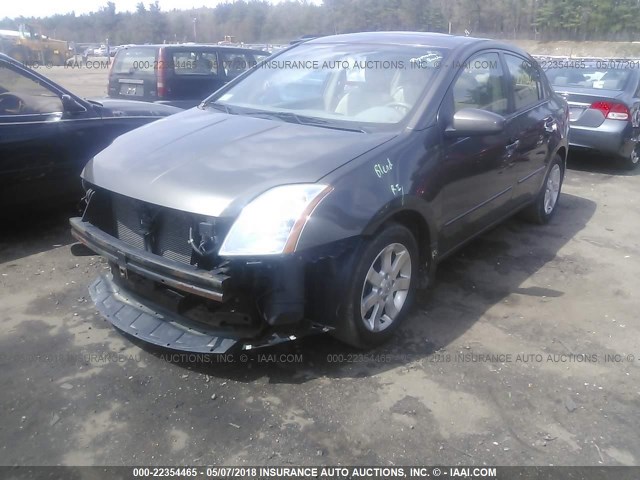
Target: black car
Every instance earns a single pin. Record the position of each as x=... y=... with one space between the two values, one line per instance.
x=604 y=103
x=264 y=214
x=179 y=75
x=47 y=134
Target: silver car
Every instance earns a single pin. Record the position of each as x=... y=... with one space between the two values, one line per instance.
x=604 y=101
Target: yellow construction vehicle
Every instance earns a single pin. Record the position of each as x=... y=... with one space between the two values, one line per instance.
x=29 y=47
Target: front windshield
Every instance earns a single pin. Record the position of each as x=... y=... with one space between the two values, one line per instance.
x=589 y=76
x=358 y=84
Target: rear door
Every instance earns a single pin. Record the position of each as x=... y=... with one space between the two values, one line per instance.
x=133 y=74
x=533 y=123
x=195 y=75
x=236 y=62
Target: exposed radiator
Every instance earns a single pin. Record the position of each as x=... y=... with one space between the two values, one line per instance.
x=169 y=228
x=172 y=237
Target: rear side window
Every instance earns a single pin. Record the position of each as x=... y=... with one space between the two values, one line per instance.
x=600 y=75
x=131 y=60
x=525 y=78
x=480 y=85
x=235 y=63
x=194 y=62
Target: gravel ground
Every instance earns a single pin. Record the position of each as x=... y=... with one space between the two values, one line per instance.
x=525 y=352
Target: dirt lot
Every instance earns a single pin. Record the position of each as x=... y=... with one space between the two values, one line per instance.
x=524 y=353
x=83 y=81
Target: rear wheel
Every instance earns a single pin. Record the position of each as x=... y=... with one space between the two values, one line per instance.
x=633 y=160
x=380 y=290
x=544 y=206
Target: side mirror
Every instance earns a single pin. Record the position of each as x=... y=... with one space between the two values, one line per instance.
x=71 y=105
x=473 y=121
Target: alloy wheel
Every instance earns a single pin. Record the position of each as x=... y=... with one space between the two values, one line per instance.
x=552 y=190
x=386 y=287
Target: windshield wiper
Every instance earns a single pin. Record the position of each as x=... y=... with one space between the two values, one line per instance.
x=219 y=106
x=316 y=122
x=293 y=118
x=285 y=116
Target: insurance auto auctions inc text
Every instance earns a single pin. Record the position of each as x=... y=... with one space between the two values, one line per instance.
x=375 y=472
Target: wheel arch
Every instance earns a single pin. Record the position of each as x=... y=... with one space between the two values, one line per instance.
x=417 y=220
x=563 y=152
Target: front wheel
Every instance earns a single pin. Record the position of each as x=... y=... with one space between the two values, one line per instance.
x=546 y=203
x=381 y=288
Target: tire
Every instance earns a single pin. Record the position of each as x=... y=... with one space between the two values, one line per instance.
x=392 y=293
x=545 y=205
x=633 y=160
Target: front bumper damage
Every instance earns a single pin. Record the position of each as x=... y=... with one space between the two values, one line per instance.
x=182 y=277
x=156 y=326
x=185 y=308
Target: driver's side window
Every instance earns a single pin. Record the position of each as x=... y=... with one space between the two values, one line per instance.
x=480 y=85
x=20 y=95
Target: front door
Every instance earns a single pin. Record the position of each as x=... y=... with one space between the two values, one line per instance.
x=30 y=163
x=478 y=180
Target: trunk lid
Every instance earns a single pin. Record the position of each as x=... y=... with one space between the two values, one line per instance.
x=580 y=101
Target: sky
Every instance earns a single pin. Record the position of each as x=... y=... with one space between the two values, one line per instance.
x=44 y=8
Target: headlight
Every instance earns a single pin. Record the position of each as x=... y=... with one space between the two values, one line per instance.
x=271 y=224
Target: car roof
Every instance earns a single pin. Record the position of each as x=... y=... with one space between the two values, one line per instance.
x=418 y=39
x=401 y=38
x=195 y=45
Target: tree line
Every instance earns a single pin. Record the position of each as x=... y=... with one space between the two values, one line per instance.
x=258 y=21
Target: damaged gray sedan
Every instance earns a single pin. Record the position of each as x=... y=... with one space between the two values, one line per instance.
x=317 y=191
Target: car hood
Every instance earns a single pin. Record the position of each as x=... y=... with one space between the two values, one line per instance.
x=211 y=163
x=112 y=107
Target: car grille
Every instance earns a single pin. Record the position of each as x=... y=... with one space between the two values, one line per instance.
x=167 y=229
x=127 y=220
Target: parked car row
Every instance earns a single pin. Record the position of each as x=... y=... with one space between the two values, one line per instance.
x=101 y=51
